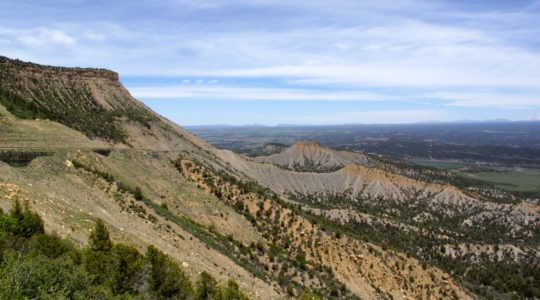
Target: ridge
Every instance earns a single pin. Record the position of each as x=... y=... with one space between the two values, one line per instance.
x=50 y=71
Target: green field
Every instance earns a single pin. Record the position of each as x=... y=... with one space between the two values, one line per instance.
x=511 y=179
x=440 y=164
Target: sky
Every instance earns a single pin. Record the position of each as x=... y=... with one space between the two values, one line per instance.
x=296 y=62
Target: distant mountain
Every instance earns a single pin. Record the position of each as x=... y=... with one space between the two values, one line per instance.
x=217 y=126
x=463 y=121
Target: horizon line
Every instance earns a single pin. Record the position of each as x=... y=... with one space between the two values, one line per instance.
x=368 y=124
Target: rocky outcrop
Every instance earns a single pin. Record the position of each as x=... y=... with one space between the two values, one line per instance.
x=48 y=72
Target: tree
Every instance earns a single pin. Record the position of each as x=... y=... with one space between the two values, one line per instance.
x=51 y=245
x=231 y=292
x=308 y=295
x=99 y=238
x=16 y=211
x=98 y=260
x=38 y=277
x=166 y=277
x=127 y=269
x=27 y=222
x=205 y=287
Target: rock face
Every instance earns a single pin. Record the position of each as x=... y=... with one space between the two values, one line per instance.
x=48 y=72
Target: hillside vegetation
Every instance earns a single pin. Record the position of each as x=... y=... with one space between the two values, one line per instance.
x=39 y=265
x=78 y=148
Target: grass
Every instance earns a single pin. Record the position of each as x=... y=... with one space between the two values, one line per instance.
x=438 y=164
x=509 y=179
x=504 y=178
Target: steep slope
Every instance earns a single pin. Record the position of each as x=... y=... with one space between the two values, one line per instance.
x=351 y=260
x=91 y=101
x=69 y=193
x=158 y=184
x=42 y=134
x=309 y=156
x=467 y=230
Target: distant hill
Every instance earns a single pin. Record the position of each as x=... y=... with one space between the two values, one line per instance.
x=309 y=156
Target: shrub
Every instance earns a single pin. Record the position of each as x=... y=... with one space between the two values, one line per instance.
x=45 y=266
x=138 y=194
x=205 y=286
x=27 y=222
x=166 y=278
x=27 y=277
x=51 y=246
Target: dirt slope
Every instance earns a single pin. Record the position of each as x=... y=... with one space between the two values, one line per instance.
x=69 y=199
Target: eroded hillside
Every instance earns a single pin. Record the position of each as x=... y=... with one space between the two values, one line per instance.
x=343 y=224
x=69 y=190
x=470 y=229
x=366 y=269
x=309 y=156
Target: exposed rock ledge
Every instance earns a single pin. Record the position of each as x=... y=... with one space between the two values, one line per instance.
x=49 y=71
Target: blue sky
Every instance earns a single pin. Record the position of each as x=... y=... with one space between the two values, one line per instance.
x=296 y=62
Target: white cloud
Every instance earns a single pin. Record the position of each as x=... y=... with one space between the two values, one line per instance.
x=404 y=53
x=429 y=49
x=489 y=99
x=216 y=92
x=211 y=91
x=44 y=36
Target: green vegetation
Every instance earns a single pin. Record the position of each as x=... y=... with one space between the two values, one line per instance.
x=75 y=103
x=37 y=265
x=505 y=178
x=282 y=261
x=94 y=123
x=444 y=165
x=508 y=179
x=92 y=120
x=486 y=276
x=225 y=245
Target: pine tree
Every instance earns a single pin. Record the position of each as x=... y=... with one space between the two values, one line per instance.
x=99 y=238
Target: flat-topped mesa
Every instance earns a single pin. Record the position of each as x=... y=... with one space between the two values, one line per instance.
x=308 y=144
x=91 y=101
x=15 y=65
